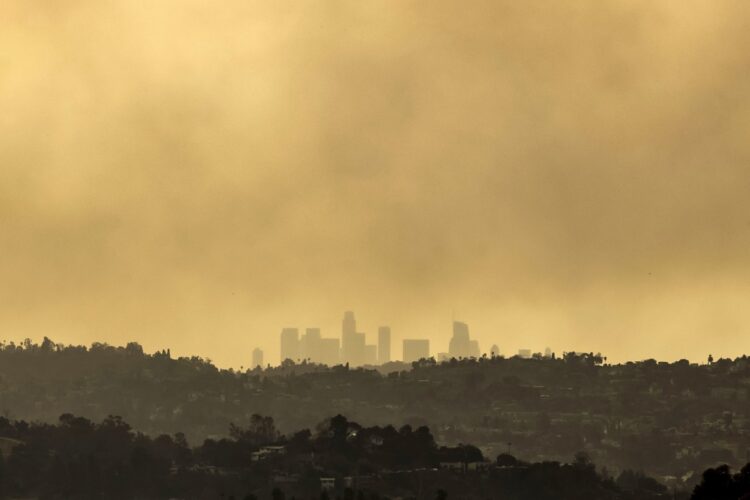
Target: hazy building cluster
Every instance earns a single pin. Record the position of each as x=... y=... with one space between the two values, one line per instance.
x=352 y=347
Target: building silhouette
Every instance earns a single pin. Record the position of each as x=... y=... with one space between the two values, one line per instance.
x=474 y=349
x=415 y=349
x=309 y=345
x=384 y=344
x=352 y=348
x=350 y=342
x=330 y=351
x=461 y=345
x=257 y=358
x=494 y=350
x=357 y=349
x=371 y=354
x=349 y=324
x=290 y=344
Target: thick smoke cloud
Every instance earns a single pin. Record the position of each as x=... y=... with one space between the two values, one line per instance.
x=197 y=174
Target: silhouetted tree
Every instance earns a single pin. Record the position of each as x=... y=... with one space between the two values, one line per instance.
x=720 y=484
x=260 y=432
x=632 y=481
x=277 y=494
x=506 y=460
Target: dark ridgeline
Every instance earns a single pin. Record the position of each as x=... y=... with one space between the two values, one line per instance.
x=720 y=483
x=671 y=420
x=77 y=458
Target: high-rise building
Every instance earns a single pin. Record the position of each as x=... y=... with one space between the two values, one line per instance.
x=416 y=349
x=474 y=349
x=309 y=345
x=349 y=324
x=348 y=337
x=329 y=352
x=315 y=348
x=384 y=344
x=289 y=344
x=257 y=358
x=494 y=350
x=357 y=349
x=460 y=345
x=524 y=353
x=371 y=355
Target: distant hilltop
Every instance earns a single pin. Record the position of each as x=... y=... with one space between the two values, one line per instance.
x=694 y=415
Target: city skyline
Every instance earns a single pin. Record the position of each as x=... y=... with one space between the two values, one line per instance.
x=312 y=346
x=350 y=347
x=439 y=337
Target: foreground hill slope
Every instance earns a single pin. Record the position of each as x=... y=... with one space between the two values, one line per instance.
x=671 y=419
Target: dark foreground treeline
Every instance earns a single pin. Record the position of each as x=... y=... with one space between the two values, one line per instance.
x=672 y=420
x=339 y=459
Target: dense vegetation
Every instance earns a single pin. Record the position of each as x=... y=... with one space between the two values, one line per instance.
x=721 y=484
x=80 y=459
x=672 y=420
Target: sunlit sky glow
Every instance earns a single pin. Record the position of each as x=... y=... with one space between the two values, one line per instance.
x=198 y=175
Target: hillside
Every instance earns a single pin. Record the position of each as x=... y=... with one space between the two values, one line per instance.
x=670 y=419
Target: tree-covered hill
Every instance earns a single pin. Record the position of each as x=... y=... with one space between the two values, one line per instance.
x=671 y=419
x=78 y=458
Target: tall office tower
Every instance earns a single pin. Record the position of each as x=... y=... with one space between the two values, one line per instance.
x=371 y=355
x=348 y=334
x=289 y=344
x=257 y=358
x=329 y=352
x=494 y=351
x=349 y=324
x=357 y=349
x=416 y=349
x=460 y=344
x=384 y=344
x=474 y=348
x=310 y=345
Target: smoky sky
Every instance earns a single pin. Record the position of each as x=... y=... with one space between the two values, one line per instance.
x=198 y=175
